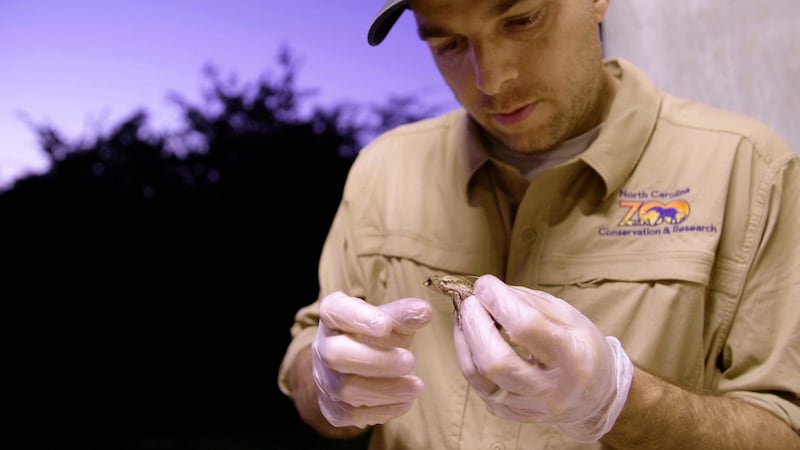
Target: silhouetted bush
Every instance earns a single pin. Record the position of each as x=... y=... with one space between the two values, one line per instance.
x=152 y=276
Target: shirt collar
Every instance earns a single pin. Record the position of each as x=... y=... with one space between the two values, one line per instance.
x=628 y=127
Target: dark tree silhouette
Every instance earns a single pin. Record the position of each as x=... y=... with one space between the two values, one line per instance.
x=152 y=277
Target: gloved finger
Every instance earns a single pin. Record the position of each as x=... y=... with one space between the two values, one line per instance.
x=480 y=384
x=366 y=391
x=344 y=354
x=408 y=314
x=339 y=311
x=492 y=355
x=534 y=319
x=524 y=408
x=522 y=391
x=539 y=408
x=568 y=343
x=573 y=342
x=510 y=405
x=341 y=414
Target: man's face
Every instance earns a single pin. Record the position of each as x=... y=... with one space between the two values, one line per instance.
x=529 y=71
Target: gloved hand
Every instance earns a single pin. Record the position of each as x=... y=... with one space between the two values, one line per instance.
x=576 y=379
x=360 y=358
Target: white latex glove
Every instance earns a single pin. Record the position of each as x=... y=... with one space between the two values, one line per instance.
x=361 y=363
x=577 y=379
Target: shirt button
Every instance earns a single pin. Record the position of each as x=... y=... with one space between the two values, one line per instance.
x=497 y=446
x=528 y=235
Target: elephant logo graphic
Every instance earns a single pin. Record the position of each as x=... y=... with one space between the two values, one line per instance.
x=655 y=213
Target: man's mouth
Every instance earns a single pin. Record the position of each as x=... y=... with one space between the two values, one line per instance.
x=515 y=116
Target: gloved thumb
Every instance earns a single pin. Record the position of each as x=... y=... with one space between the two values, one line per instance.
x=408 y=314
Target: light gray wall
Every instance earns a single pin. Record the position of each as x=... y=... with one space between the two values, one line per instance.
x=740 y=55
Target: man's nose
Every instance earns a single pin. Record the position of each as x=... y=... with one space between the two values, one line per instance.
x=493 y=68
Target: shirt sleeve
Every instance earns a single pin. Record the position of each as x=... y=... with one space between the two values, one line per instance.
x=760 y=362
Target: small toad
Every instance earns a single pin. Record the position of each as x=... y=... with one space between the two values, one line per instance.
x=459 y=287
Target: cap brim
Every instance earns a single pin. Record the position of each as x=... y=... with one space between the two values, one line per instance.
x=386 y=18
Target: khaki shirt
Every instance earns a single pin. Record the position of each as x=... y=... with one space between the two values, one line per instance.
x=675 y=231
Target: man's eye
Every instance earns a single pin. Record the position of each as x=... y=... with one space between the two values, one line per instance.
x=525 y=22
x=448 y=48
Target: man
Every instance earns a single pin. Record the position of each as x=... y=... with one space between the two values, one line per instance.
x=640 y=249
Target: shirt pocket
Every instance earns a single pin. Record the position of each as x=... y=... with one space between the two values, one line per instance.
x=658 y=308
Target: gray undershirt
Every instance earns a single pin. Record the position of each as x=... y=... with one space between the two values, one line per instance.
x=532 y=164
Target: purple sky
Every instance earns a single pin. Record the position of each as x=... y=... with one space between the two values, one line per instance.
x=82 y=65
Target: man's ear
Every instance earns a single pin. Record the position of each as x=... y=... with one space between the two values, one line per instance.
x=600 y=9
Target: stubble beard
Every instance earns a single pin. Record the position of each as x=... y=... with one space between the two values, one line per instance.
x=583 y=112
x=546 y=137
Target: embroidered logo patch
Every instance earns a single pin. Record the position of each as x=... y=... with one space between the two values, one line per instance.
x=654 y=213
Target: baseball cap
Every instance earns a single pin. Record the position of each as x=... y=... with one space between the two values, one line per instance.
x=386 y=18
